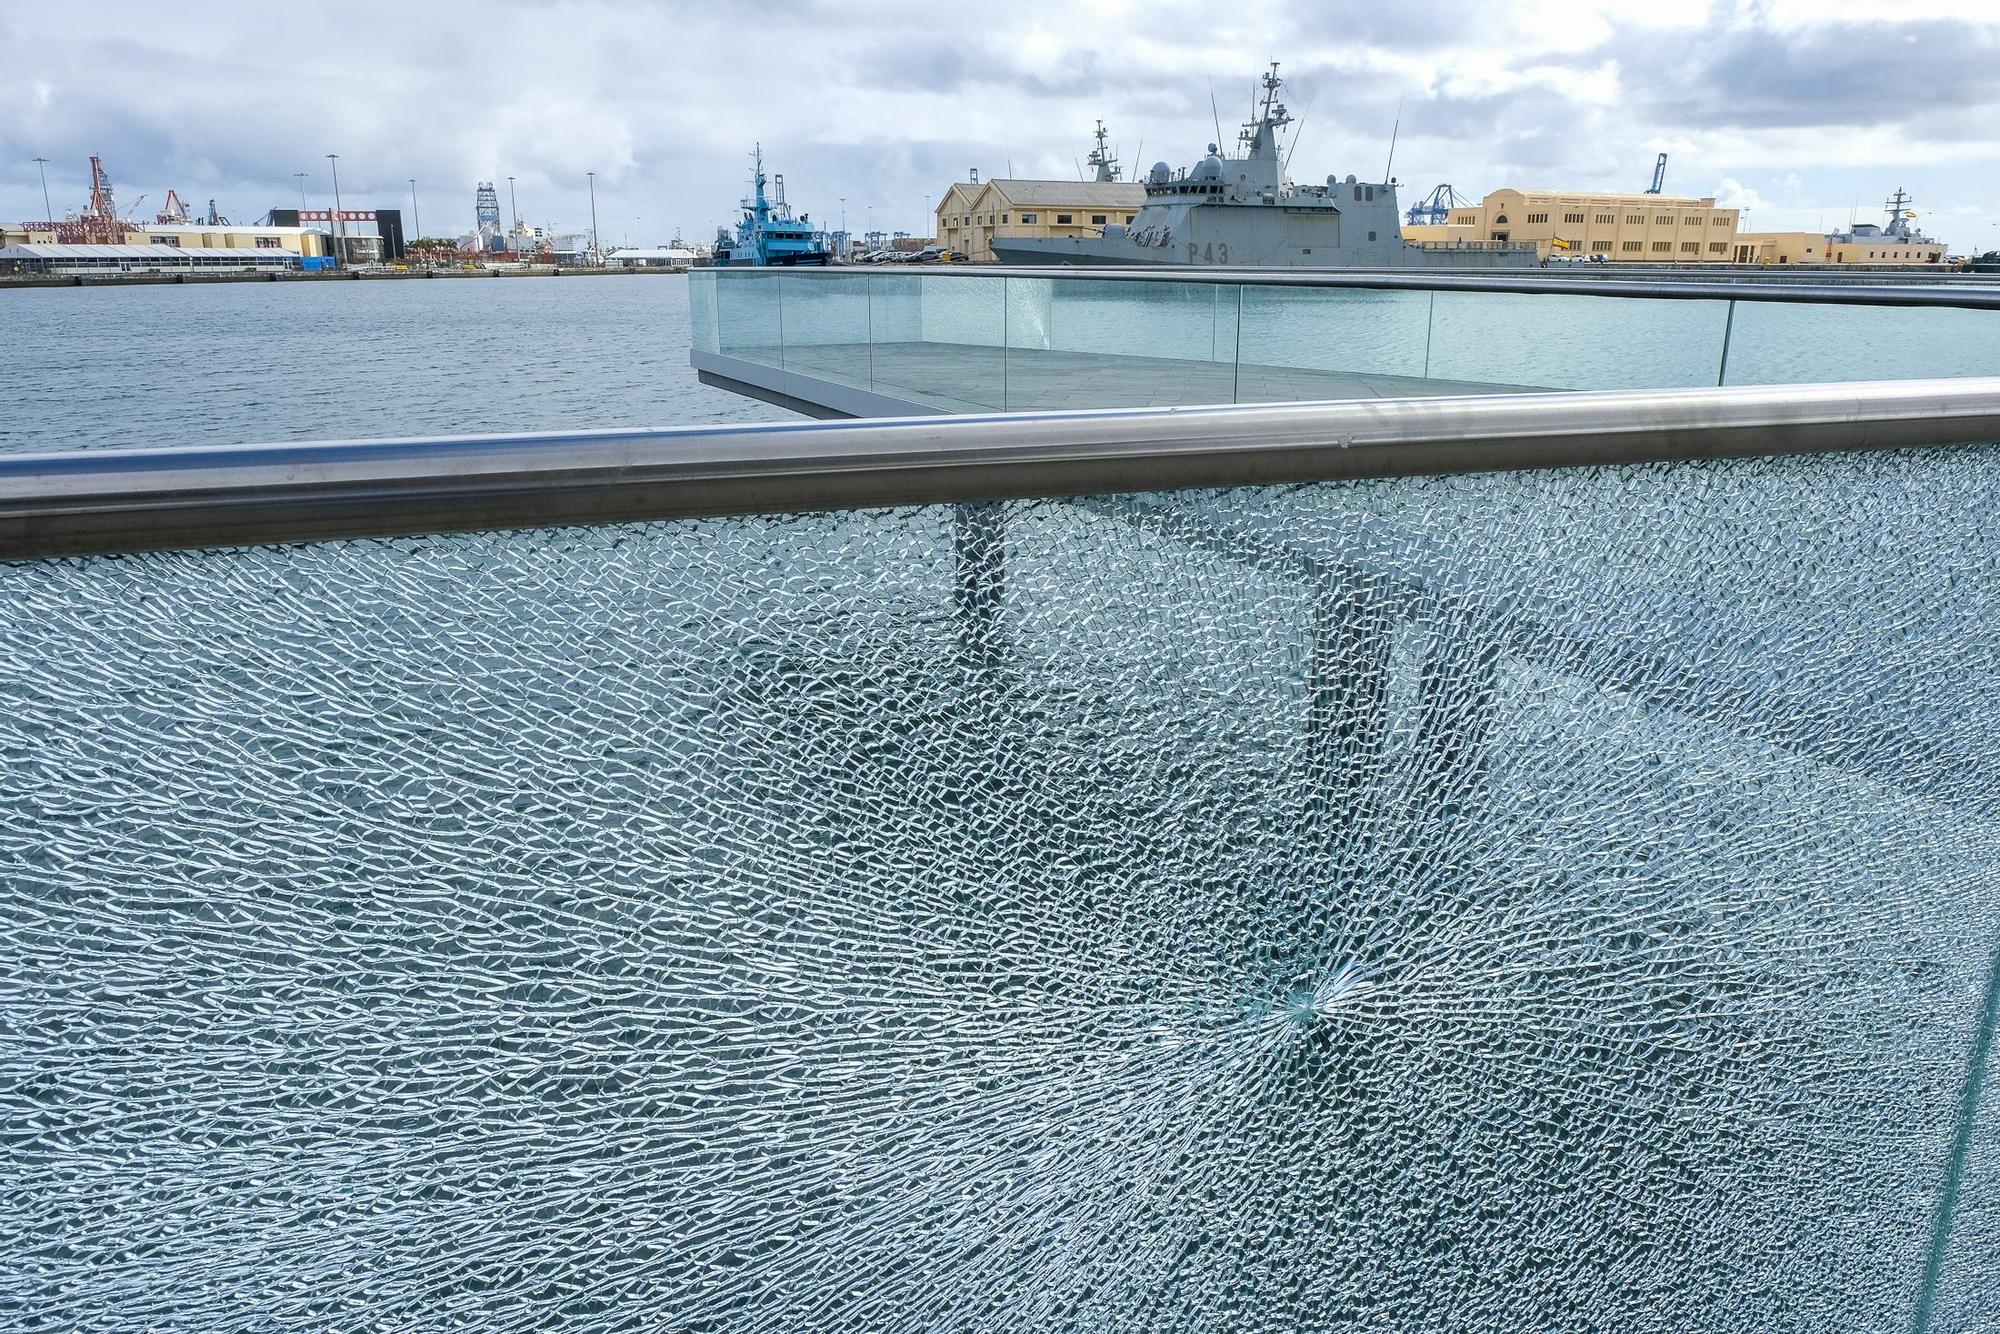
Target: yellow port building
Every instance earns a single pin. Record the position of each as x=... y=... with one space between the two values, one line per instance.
x=1624 y=228
x=189 y=236
x=973 y=212
x=1864 y=245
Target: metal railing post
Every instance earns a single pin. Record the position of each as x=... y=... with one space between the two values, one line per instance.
x=1236 y=370
x=1961 y=1150
x=1728 y=328
x=1430 y=333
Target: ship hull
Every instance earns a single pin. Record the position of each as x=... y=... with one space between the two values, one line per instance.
x=819 y=257
x=1095 y=252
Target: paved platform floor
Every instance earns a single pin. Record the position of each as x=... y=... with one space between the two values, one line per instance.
x=957 y=377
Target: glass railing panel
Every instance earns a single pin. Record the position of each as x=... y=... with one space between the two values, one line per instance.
x=1083 y=344
x=1556 y=341
x=701 y=310
x=822 y=920
x=749 y=320
x=1303 y=343
x=938 y=341
x=827 y=326
x=1786 y=343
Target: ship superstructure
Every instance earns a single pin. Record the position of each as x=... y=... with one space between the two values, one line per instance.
x=1245 y=212
x=768 y=234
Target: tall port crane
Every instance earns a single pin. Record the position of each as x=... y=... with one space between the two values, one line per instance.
x=1659 y=175
x=174 y=210
x=1436 y=206
x=99 y=223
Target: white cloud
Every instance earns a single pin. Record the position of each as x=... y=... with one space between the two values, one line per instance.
x=883 y=104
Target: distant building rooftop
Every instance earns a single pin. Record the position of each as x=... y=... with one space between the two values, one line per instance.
x=152 y=252
x=653 y=255
x=1070 y=192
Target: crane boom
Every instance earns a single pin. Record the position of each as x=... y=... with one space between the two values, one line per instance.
x=1659 y=175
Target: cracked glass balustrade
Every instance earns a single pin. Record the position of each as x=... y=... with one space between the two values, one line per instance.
x=1542 y=900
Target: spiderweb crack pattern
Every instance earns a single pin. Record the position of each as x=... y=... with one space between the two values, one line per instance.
x=1549 y=900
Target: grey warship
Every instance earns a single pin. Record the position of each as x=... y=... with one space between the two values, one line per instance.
x=1244 y=212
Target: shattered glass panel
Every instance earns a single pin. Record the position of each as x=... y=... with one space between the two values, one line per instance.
x=1559 y=900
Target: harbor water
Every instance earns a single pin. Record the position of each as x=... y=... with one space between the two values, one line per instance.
x=150 y=367
x=231 y=363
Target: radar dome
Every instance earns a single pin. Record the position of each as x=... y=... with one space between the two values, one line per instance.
x=1208 y=169
x=1160 y=174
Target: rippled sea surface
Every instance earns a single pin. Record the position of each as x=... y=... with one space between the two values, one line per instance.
x=94 y=368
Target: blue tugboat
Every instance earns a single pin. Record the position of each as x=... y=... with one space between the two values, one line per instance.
x=768 y=233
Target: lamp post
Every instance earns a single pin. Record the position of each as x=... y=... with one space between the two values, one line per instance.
x=339 y=248
x=595 y=256
x=843 y=225
x=42 y=165
x=513 y=208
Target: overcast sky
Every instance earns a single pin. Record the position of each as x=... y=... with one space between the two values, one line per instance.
x=1798 y=109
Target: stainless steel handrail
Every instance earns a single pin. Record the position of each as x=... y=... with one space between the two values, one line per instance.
x=87 y=501
x=1969 y=295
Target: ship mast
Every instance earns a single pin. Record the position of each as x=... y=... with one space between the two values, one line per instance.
x=1898 y=205
x=1100 y=157
x=1260 y=136
x=760 y=207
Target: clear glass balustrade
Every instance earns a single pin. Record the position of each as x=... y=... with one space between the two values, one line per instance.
x=979 y=343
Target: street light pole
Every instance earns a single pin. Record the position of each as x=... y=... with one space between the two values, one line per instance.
x=595 y=256
x=340 y=249
x=42 y=165
x=843 y=226
x=513 y=208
